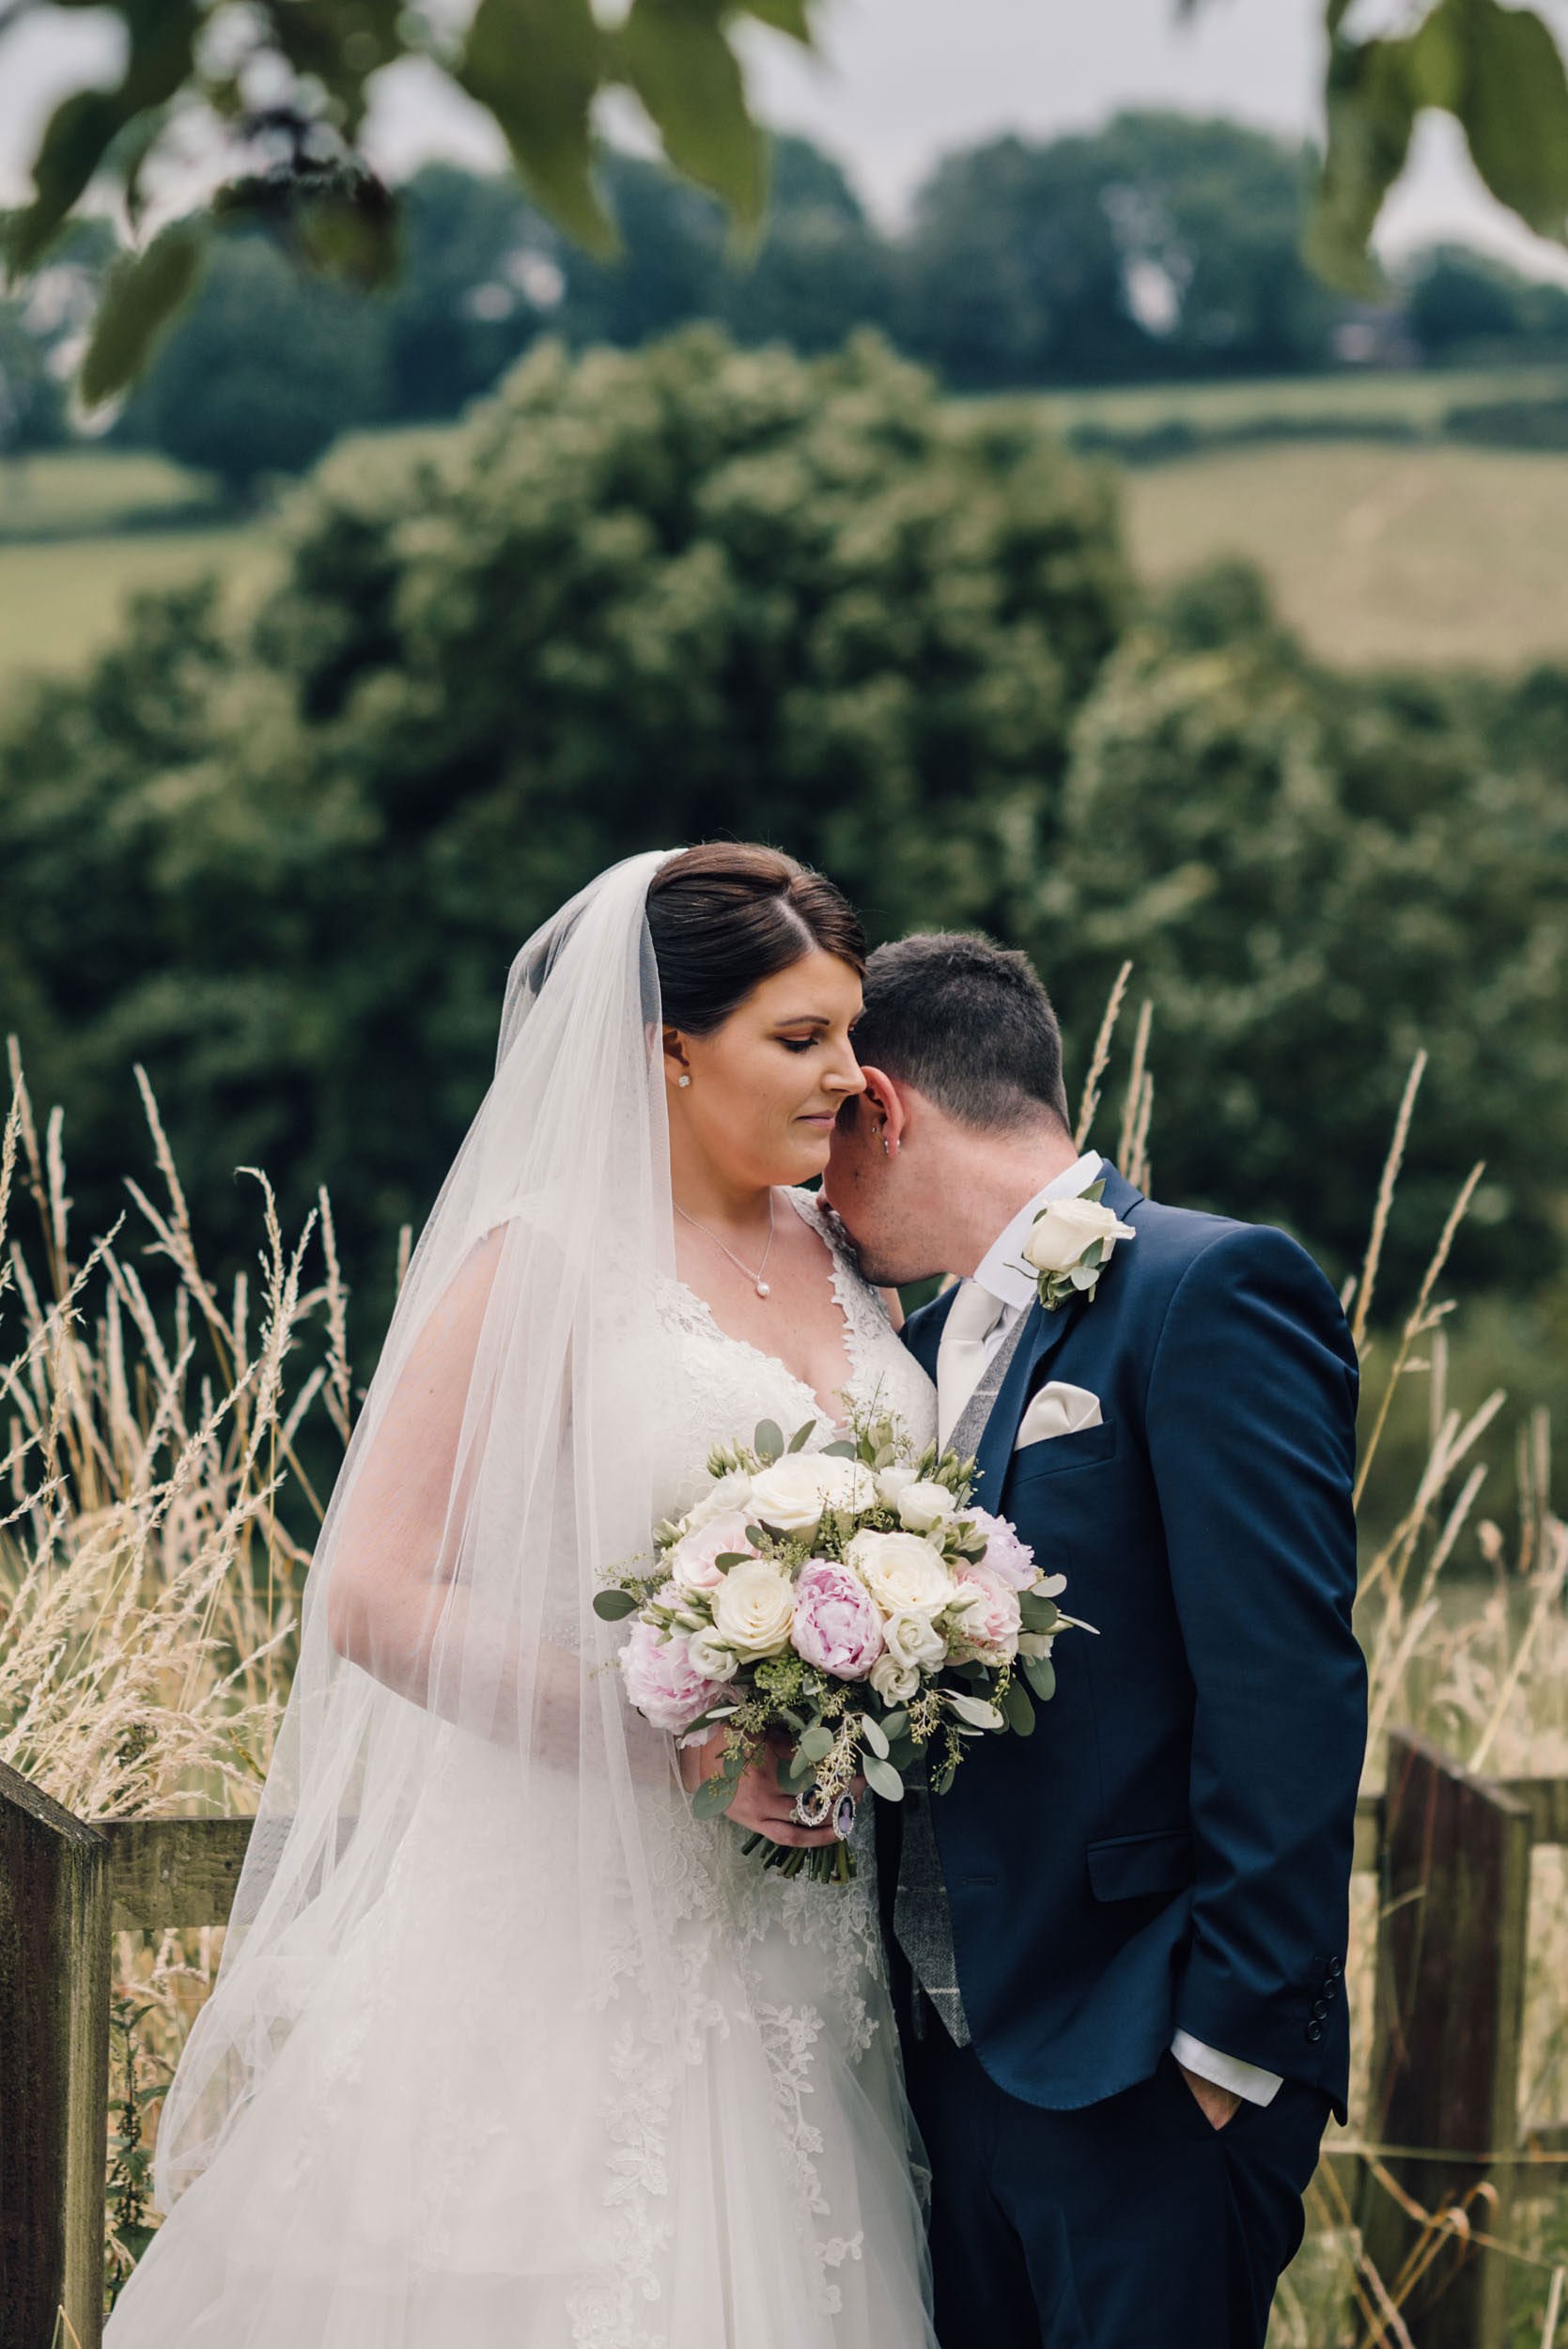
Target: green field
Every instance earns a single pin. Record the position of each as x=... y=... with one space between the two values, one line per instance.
x=1415 y=399
x=1432 y=552
x=1440 y=556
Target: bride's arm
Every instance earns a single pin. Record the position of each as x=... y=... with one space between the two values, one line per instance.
x=388 y=1593
x=391 y=1605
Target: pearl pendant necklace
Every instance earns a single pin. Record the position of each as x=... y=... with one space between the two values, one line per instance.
x=762 y=1287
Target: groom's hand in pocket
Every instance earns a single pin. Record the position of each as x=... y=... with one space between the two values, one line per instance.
x=1219 y=2105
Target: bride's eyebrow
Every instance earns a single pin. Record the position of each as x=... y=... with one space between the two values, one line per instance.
x=803 y=1020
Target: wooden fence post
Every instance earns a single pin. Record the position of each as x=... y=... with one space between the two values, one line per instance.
x=54 y=2067
x=1445 y=2067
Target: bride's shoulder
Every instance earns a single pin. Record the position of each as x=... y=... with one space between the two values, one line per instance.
x=853 y=1287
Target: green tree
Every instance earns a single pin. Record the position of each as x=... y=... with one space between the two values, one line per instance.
x=1315 y=876
x=1463 y=304
x=461 y=309
x=263 y=371
x=1013 y=273
x=1157 y=244
x=645 y=598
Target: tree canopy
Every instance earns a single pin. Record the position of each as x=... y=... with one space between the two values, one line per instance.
x=641 y=598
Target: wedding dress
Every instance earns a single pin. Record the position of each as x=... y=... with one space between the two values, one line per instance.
x=510 y=2048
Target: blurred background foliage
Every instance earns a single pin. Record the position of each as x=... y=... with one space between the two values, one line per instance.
x=820 y=546
x=282 y=858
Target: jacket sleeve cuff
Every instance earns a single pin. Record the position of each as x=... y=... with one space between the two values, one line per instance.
x=1243 y=2079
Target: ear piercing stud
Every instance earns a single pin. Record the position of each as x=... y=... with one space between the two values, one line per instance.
x=683 y=1082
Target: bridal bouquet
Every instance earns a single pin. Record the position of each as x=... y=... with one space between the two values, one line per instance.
x=850 y=1605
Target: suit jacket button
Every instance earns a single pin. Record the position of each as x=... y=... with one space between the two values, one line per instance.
x=1314 y=2030
x=1335 y=1968
x=1330 y=1985
x=1320 y=2008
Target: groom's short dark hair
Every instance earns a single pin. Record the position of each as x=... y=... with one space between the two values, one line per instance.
x=968 y=1024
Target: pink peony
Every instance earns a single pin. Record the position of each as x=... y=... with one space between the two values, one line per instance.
x=836 y=1626
x=991 y=1622
x=1008 y=1558
x=660 y=1679
x=692 y=1560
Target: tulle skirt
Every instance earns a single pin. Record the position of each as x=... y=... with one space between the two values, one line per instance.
x=470 y=2137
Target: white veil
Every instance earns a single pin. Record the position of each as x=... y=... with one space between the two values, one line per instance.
x=505 y=2048
x=494 y=1472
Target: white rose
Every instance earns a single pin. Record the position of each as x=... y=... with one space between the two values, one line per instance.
x=914 y=1641
x=730 y=1494
x=711 y=1657
x=1067 y=1227
x=1035 y=1645
x=901 y=1571
x=893 y=1483
x=895 y=1684
x=791 y=1496
x=925 y=1504
x=754 y=1610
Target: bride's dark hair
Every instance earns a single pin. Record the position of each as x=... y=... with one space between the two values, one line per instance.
x=728 y=915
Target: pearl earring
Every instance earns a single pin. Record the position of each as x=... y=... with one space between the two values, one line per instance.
x=683 y=1082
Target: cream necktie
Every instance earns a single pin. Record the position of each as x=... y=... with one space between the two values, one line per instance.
x=961 y=1356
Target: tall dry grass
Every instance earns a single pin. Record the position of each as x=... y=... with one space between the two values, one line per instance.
x=149 y=1591
x=149 y=1585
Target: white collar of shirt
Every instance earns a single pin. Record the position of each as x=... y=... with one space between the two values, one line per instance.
x=1001 y=1270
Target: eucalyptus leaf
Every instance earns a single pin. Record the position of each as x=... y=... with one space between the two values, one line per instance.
x=883 y=1778
x=874 y=1734
x=614 y=1606
x=714 y=1797
x=975 y=1711
x=1040 y=1673
x=1018 y=1710
x=816 y=1744
x=769 y=1442
x=801 y=1435
x=897 y=1722
x=842 y=1450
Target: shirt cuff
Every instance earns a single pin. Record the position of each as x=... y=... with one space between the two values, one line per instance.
x=1243 y=2079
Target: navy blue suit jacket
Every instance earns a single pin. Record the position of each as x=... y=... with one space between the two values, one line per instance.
x=1172 y=1847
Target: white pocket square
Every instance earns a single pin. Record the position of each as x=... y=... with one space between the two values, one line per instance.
x=1058 y=1409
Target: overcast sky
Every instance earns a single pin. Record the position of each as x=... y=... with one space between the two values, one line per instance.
x=901 y=82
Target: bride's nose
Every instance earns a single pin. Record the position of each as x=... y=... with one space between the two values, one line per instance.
x=847 y=1079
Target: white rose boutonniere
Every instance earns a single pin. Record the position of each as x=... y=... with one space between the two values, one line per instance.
x=1070 y=1244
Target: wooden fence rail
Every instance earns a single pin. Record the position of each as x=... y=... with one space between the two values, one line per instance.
x=1452 y=1852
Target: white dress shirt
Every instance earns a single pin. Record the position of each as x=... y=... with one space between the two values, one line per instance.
x=1005 y=1278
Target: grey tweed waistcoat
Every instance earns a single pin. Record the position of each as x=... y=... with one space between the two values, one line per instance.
x=922 y=1921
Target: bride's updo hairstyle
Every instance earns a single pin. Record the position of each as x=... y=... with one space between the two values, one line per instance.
x=726 y=916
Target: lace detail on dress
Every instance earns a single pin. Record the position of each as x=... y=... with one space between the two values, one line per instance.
x=791 y=1965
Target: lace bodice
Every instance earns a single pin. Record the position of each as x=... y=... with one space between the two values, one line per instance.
x=721 y=1386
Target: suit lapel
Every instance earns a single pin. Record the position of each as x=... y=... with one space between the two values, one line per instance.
x=1043 y=1333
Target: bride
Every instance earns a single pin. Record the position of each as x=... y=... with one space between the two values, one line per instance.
x=507 y=2047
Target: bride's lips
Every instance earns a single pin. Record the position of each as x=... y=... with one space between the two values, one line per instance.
x=820 y=1118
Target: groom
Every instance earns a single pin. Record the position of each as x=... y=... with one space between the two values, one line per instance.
x=1119 y=1943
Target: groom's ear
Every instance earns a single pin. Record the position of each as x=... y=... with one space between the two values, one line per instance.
x=885 y=1106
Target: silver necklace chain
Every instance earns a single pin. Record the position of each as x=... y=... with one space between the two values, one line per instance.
x=762 y=1287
